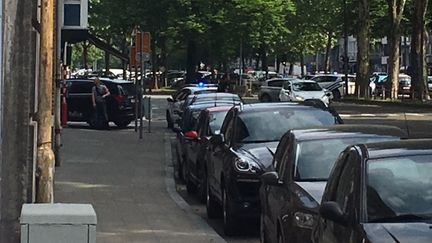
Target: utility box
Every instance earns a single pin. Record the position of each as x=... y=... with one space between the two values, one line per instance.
x=58 y=223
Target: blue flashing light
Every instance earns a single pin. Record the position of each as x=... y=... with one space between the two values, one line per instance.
x=201 y=85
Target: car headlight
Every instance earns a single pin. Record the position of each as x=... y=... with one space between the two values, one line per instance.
x=299 y=98
x=245 y=166
x=304 y=220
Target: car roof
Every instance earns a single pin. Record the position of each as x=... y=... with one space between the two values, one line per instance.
x=301 y=81
x=346 y=131
x=194 y=89
x=205 y=105
x=267 y=106
x=215 y=95
x=116 y=81
x=397 y=148
x=219 y=108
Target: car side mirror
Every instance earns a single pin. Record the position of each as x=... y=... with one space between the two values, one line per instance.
x=170 y=100
x=271 y=178
x=191 y=135
x=332 y=211
x=217 y=139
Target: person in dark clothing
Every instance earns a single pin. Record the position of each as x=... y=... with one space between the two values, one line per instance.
x=99 y=93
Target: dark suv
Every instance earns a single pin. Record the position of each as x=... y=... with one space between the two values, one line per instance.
x=120 y=104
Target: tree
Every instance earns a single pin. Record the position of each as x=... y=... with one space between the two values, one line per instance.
x=418 y=50
x=363 y=39
x=395 y=10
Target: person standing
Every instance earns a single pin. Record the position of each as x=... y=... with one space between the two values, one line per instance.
x=99 y=93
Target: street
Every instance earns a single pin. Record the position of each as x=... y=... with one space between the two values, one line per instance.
x=132 y=189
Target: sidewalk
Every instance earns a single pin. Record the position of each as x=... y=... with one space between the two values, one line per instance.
x=130 y=185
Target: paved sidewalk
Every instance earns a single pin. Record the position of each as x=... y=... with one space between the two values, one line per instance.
x=129 y=183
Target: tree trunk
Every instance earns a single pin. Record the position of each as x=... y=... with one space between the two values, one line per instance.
x=396 y=8
x=291 y=68
x=363 y=49
x=191 y=62
x=327 y=53
x=154 y=62
x=418 y=44
x=85 y=54
x=302 y=64
x=264 y=60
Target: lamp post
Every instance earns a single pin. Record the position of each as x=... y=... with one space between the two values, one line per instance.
x=346 y=59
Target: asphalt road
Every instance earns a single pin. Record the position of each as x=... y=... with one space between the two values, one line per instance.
x=416 y=121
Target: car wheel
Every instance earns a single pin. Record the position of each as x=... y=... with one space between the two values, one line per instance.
x=230 y=224
x=211 y=204
x=122 y=124
x=202 y=186
x=266 y=98
x=263 y=233
x=169 y=120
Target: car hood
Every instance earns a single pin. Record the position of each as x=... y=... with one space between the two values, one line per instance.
x=259 y=153
x=310 y=193
x=310 y=94
x=399 y=232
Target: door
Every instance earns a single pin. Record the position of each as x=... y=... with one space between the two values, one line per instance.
x=346 y=194
x=275 y=87
x=194 y=145
x=79 y=100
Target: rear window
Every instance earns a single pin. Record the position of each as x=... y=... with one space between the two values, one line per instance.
x=127 y=89
x=79 y=87
x=275 y=83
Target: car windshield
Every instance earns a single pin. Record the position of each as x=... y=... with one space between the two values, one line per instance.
x=269 y=125
x=314 y=159
x=399 y=188
x=305 y=86
x=127 y=89
x=215 y=121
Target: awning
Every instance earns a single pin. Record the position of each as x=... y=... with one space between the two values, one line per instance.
x=76 y=36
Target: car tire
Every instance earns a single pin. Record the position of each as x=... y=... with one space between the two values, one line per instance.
x=266 y=98
x=122 y=124
x=211 y=205
x=230 y=223
x=263 y=232
x=169 y=120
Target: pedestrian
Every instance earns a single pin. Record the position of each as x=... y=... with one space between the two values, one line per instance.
x=99 y=93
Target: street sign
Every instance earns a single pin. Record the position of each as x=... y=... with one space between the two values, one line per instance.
x=143 y=42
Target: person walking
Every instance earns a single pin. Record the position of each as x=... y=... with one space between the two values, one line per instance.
x=99 y=93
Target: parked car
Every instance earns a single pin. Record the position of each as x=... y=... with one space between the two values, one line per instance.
x=208 y=124
x=177 y=99
x=300 y=90
x=269 y=91
x=379 y=193
x=385 y=86
x=120 y=104
x=188 y=122
x=228 y=98
x=429 y=83
x=290 y=195
x=334 y=83
x=242 y=152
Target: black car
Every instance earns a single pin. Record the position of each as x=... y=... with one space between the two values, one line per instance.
x=290 y=195
x=120 y=104
x=208 y=124
x=241 y=153
x=188 y=122
x=379 y=193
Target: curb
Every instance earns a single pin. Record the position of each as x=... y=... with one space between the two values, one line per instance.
x=171 y=189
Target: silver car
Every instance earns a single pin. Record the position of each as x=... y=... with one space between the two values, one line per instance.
x=269 y=91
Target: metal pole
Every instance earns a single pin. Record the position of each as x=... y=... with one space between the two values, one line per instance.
x=149 y=114
x=57 y=112
x=140 y=98
x=241 y=62
x=346 y=60
x=136 y=97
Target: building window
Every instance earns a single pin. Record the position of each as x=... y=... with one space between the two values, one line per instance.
x=72 y=15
